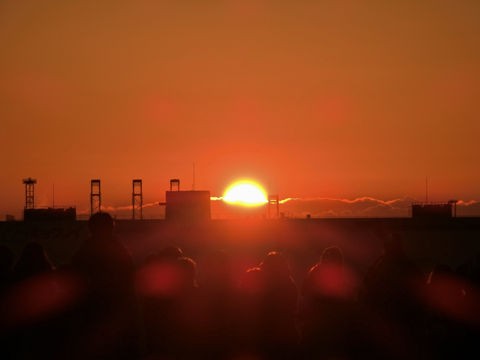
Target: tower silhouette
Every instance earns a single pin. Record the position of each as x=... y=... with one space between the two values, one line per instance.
x=273 y=201
x=137 y=199
x=29 y=192
x=95 y=196
x=174 y=184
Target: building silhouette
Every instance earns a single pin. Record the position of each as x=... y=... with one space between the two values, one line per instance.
x=443 y=210
x=186 y=206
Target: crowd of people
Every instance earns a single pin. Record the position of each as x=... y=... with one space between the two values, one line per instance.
x=101 y=305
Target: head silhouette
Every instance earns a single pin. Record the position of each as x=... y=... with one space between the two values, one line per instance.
x=188 y=272
x=169 y=253
x=101 y=225
x=253 y=281
x=275 y=265
x=332 y=255
x=438 y=273
x=33 y=260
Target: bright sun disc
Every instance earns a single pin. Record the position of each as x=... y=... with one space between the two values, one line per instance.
x=246 y=193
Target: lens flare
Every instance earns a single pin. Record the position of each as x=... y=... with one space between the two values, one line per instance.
x=245 y=193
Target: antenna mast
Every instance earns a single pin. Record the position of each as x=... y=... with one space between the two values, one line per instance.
x=426 y=189
x=193 y=169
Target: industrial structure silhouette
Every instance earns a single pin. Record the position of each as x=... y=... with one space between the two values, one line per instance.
x=180 y=205
x=190 y=205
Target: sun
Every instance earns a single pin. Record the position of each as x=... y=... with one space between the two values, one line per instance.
x=245 y=193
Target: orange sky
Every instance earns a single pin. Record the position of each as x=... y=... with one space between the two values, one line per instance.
x=311 y=98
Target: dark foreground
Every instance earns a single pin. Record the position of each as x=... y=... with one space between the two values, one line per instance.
x=246 y=289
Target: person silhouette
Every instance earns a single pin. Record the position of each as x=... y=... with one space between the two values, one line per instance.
x=29 y=306
x=326 y=307
x=390 y=298
x=279 y=307
x=250 y=311
x=444 y=299
x=107 y=270
x=168 y=290
x=32 y=261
